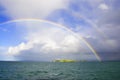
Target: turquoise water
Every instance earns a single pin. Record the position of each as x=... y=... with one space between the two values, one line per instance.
x=59 y=71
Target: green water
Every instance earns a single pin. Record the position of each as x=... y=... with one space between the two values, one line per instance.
x=59 y=71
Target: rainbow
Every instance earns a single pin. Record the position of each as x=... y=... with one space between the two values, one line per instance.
x=61 y=26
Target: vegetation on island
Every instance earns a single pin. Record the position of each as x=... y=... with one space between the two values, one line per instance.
x=65 y=60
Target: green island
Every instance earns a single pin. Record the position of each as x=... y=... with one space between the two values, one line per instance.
x=65 y=60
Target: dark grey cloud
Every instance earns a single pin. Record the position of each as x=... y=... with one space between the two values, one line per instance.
x=111 y=17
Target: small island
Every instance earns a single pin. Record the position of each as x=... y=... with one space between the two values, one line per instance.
x=65 y=60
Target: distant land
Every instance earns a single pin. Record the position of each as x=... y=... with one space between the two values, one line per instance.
x=65 y=60
x=71 y=60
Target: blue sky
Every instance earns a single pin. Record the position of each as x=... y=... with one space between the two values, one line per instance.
x=97 y=21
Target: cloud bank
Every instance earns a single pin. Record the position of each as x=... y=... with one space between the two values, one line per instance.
x=32 y=8
x=47 y=42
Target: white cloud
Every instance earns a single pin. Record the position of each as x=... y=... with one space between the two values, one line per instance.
x=103 y=6
x=3 y=54
x=32 y=8
x=20 y=47
x=69 y=44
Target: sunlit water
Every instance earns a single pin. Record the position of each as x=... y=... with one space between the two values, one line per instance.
x=59 y=71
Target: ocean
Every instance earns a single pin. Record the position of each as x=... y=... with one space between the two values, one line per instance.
x=59 y=71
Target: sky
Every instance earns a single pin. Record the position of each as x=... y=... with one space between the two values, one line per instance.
x=46 y=30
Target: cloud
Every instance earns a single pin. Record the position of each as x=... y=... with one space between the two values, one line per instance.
x=111 y=17
x=32 y=8
x=103 y=7
x=4 y=55
x=46 y=42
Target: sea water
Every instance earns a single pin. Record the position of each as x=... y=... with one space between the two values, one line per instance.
x=59 y=71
